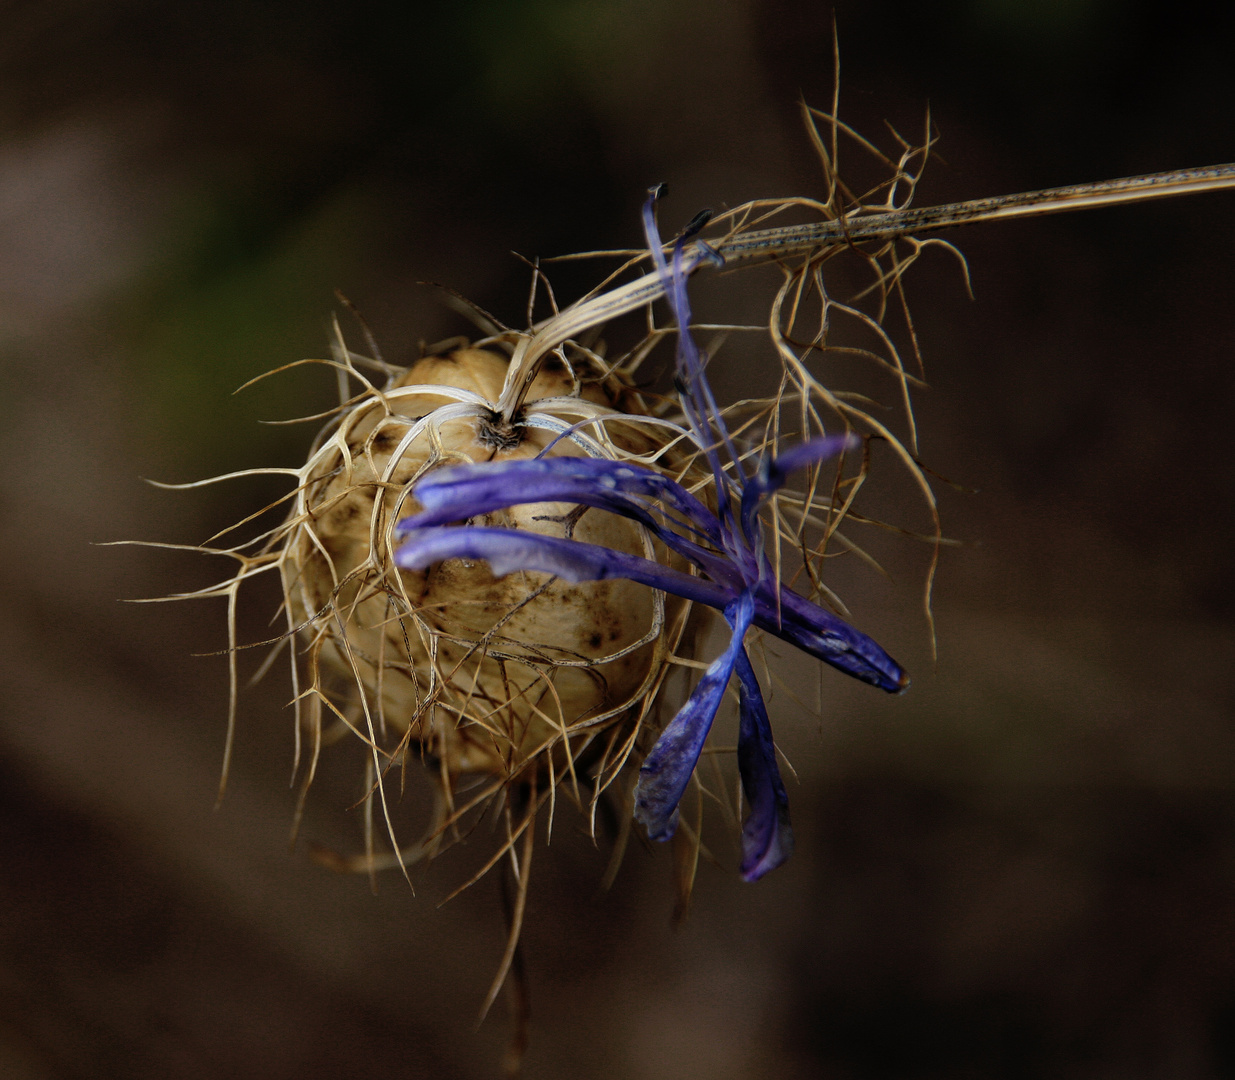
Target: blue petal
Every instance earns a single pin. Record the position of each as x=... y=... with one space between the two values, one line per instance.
x=694 y=392
x=767 y=838
x=668 y=767
x=508 y=550
x=774 y=472
x=787 y=615
x=464 y=491
x=831 y=639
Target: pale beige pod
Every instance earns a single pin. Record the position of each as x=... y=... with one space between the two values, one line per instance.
x=512 y=677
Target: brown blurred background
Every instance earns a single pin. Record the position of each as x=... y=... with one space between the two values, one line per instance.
x=1024 y=867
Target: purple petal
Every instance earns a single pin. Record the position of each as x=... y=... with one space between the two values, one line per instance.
x=694 y=392
x=464 y=491
x=831 y=639
x=767 y=838
x=668 y=767
x=773 y=472
x=806 y=453
x=508 y=550
x=793 y=619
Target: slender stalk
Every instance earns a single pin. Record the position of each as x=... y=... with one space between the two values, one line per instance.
x=796 y=239
x=856 y=226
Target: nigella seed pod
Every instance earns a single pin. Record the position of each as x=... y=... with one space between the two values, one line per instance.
x=512 y=677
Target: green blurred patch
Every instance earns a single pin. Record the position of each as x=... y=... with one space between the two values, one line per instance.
x=234 y=301
x=1033 y=25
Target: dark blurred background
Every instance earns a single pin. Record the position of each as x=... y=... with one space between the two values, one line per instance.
x=1024 y=867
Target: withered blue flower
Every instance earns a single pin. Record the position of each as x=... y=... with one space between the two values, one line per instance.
x=726 y=547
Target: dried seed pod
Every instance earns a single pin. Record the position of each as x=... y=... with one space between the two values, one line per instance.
x=511 y=677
